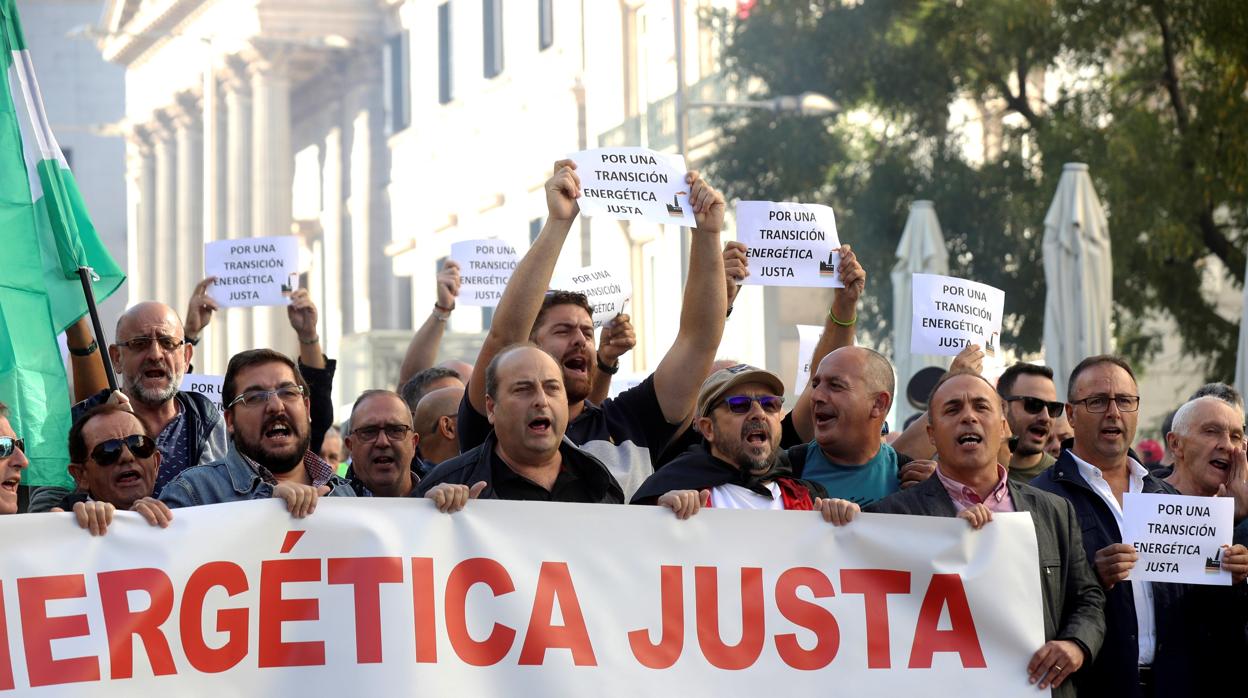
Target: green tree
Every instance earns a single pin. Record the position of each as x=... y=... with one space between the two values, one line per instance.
x=1152 y=95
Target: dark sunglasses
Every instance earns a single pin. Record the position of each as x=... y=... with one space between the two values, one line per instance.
x=1033 y=405
x=109 y=452
x=8 y=444
x=740 y=404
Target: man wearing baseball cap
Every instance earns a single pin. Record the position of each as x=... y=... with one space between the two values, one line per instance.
x=738 y=467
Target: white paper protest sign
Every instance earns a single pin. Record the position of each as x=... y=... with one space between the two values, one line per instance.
x=634 y=183
x=951 y=313
x=253 y=271
x=807 y=337
x=485 y=267
x=208 y=386
x=789 y=244
x=607 y=292
x=1178 y=538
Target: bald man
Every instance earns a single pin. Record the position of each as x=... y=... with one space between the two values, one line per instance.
x=435 y=422
x=151 y=355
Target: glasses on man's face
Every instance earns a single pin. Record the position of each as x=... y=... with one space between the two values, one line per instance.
x=9 y=444
x=1033 y=405
x=740 y=404
x=288 y=394
x=1100 y=403
x=109 y=452
x=394 y=432
x=142 y=344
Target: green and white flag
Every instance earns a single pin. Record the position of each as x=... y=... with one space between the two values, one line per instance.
x=45 y=236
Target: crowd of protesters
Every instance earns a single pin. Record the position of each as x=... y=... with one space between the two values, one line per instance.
x=530 y=420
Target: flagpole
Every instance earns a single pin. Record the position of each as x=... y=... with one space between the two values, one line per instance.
x=84 y=274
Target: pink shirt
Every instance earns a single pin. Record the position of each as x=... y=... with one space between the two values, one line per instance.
x=964 y=497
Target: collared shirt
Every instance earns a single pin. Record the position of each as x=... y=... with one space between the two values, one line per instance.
x=573 y=484
x=964 y=497
x=1142 y=592
x=174 y=445
x=319 y=471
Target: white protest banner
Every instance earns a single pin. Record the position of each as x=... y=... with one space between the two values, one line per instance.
x=807 y=337
x=208 y=386
x=608 y=293
x=950 y=313
x=634 y=183
x=1179 y=538
x=789 y=244
x=485 y=267
x=253 y=271
x=364 y=596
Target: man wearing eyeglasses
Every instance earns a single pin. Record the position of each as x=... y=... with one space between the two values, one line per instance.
x=382 y=444
x=738 y=413
x=1031 y=410
x=266 y=410
x=12 y=463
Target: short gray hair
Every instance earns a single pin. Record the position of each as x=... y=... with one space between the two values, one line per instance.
x=1185 y=416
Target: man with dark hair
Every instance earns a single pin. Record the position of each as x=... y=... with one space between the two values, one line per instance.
x=1031 y=406
x=382 y=445
x=266 y=408
x=966 y=425
x=435 y=425
x=427 y=381
x=525 y=456
x=12 y=463
x=626 y=432
x=1224 y=392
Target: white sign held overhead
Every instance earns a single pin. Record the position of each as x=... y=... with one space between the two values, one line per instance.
x=807 y=337
x=634 y=184
x=253 y=271
x=485 y=267
x=607 y=292
x=1179 y=539
x=789 y=244
x=951 y=313
x=208 y=386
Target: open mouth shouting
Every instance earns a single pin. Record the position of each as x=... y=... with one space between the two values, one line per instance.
x=155 y=373
x=969 y=441
x=824 y=417
x=129 y=477
x=540 y=426
x=576 y=365
x=1112 y=432
x=9 y=485
x=278 y=432
x=754 y=434
x=1221 y=464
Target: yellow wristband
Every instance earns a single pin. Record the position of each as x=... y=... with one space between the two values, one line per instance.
x=842 y=323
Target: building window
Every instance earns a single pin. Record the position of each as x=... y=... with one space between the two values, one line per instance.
x=445 y=91
x=398 y=78
x=545 y=24
x=492 y=25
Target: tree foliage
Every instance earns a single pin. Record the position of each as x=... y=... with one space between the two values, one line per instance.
x=1153 y=95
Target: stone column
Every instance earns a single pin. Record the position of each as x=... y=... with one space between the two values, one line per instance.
x=163 y=248
x=139 y=240
x=272 y=171
x=215 y=354
x=238 y=190
x=189 y=248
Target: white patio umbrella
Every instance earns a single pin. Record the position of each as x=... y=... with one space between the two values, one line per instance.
x=921 y=251
x=1078 y=273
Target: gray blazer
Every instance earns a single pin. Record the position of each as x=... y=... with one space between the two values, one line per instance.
x=1073 y=599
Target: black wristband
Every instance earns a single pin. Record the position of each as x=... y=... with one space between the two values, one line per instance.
x=85 y=351
x=609 y=370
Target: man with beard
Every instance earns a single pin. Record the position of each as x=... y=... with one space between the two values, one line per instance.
x=382 y=444
x=114 y=465
x=266 y=409
x=12 y=462
x=526 y=456
x=738 y=414
x=1031 y=407
x=626 y=432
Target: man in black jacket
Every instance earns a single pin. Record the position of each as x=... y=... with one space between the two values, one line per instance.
x=966 y=425
x=525 y=456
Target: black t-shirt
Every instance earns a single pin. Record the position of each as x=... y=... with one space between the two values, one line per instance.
x=626 y=433
x=574 y=484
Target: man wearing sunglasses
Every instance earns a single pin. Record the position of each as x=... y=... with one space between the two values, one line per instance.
x=1031 y=410
x=382 y=444
x=266 y=409
x=12 y=463
x=738 y=467
x=114 y=465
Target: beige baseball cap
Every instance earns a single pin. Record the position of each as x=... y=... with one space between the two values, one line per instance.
x=725 y=379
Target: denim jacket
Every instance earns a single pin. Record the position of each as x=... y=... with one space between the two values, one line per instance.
x=229 y=480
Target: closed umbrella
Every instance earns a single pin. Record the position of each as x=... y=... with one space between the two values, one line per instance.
x=1241 y=359
x=921 y=251
x=1078 y=271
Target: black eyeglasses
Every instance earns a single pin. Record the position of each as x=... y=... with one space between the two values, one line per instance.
x=1033 y=405
x=142 y=344
x=1100 y=403
x=394 y=432
x=740 y=404
x=8 y=444
x=109 y=452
